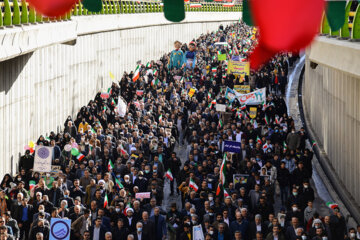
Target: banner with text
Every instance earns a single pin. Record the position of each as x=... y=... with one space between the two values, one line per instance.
x=238 y=68
x=231 y=146
x=255 y=97
x=43 y=157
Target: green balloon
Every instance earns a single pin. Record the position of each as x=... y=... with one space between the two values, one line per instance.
x=247 y=18
x=174 y=10
x=92 y=5
x=75 y=152
x=336 y=14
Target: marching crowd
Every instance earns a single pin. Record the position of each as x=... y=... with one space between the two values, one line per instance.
x=113 y=166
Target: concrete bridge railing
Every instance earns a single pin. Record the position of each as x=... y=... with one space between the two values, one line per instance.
x=48 y=71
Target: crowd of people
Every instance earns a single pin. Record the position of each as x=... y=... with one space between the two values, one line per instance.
x=112 y=185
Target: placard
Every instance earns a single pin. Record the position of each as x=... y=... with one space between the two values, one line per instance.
x=220 y=107
x=142 y=195
x=242 y=88
x=60 y=229
x=255 y=97
x=197 y=233
x=232 y=146
x=238 y=67
x=43 y=157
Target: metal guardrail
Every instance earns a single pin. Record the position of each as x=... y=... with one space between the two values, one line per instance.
x=17 y=12
x=351 y=27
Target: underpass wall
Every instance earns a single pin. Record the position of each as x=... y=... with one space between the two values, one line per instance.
x=331 y=98
x=48 y=71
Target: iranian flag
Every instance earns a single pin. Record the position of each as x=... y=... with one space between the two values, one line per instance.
x=228 y=4
x=265 y=147
x=218 y=190
x=332 y=205
x=213 y=101
x=154 y=82
x=243 y=107
x=284 y=146
x=195 y=5
x=169 y=175
x=218 y=52
x=93 y=131
x=106 y=200
x=313 y=144
x=160 y=118
x=148 y=65
x=223 y=170
x=209 y=96
x=110 y=165
x=210 y=105
x=104 y=95
x=266 y=119
x=193 y=185
x=226 y=194
x=118 y=183
x=258 y=140
x=220 y=124
x=122 y=150
x=80 y=157
x=214 y=69
x=136 y=73
x=277 y=121
x=32 y=184
x=113 y=103
x=155 y=72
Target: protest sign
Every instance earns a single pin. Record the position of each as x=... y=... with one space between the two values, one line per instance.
x=238 y=67
x=221 y=57
x=191 y=92
x=253 y=112
x=43 y=157
x=243 y=89
x=255 y=97
x=230 y=94
x=240 y=178
x=198 y=233
x=121 y=107
x=231 y=146
x=220 y=107
x=142 y=195
x=60 y=229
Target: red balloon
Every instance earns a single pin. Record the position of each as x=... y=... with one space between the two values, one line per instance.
x=52 y=8
x=284 y=26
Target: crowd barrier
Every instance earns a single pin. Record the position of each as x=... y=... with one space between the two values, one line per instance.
x=17 y=12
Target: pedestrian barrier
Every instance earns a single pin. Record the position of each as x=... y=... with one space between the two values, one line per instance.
x=17 y=12
x=351 y=27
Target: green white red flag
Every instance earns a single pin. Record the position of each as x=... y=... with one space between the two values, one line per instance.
x=110 y=165
x=193 y=185
x=136 y=73
x=106 y=200
x=169 y=175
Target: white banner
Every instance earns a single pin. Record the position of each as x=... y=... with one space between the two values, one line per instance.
x=43 y=157
x=255 y=97
x=198 y=233
x=121 y=107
